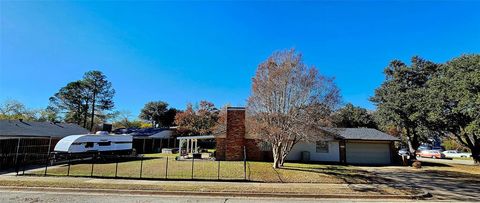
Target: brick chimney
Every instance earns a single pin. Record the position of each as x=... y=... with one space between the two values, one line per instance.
x=235 y=137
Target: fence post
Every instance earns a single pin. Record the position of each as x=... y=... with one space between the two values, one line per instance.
x=48 y=156
x=141 y=166
x=143 y=149
x=16 y=156
x=193 y=162
x=24 y=162
x=218 y=170
x=166 y=169
x=244 y=163
x=93 y=161
x=116 y=166
x=68 y=169
x=46 y=164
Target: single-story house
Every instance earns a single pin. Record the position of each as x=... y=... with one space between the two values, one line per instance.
x=348 y=146
x=339 y=145
x=26 y=140
x=150 y=140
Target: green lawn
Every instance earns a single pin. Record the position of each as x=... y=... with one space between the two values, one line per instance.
x=154 y=166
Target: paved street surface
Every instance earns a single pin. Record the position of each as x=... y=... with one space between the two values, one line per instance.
x=446 y=161
x=80 y=197
x=443 y=185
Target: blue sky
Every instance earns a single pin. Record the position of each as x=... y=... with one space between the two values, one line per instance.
x=182 y=52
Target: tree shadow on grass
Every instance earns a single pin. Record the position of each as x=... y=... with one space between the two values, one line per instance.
x=278 y=175
x=425 y=163
x=350 y=176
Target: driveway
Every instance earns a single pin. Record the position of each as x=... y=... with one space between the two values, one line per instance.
x=447 y=161
x=443 y=185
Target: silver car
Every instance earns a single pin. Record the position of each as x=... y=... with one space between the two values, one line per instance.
x=456 y=154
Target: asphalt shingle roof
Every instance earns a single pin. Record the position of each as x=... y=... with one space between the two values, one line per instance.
x=141 y=132
x=360 y=134
x=16 y=128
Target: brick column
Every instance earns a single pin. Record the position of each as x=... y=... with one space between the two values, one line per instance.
x=235 y=139
x=220 y=149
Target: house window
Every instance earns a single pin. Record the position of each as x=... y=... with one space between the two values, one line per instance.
x=104 y=144
x=322 y=147
x=89 y=145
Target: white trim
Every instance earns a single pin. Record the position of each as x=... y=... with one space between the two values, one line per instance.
x=196 y=137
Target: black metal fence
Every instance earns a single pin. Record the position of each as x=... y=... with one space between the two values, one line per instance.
x=32 y=156
x=24 y=150
x=154 y=166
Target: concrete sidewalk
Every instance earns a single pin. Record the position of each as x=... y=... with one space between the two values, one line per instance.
x=203 y=188
x=16 y=196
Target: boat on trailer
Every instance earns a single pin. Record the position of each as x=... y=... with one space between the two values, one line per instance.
x=98 y=143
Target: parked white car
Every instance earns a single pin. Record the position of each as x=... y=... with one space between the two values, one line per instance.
x=456 y=154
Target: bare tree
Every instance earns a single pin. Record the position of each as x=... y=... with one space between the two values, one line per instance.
x=289 y=103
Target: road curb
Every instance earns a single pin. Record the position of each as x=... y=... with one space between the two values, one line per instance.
x=422 y=195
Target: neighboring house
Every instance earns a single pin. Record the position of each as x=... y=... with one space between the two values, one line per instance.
x=33 y=129
x=348 y=146
x=150 y=140
x=25 y=140
x=339 y=145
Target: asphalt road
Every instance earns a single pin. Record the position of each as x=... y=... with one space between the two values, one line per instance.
x=443 y=185
x=80 y=197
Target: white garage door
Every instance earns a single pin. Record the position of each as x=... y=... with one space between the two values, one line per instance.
x=367 y=153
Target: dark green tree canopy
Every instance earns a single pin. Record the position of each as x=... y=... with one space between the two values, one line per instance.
x=351 y=116
x=85 y=100
x=158 y=113
x=100 y=92
x=72 y=101
x=426 y=99
x=454 y=101
x=400 y=99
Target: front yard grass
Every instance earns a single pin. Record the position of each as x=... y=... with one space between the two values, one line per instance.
x=301 y=178
x=154 y=166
